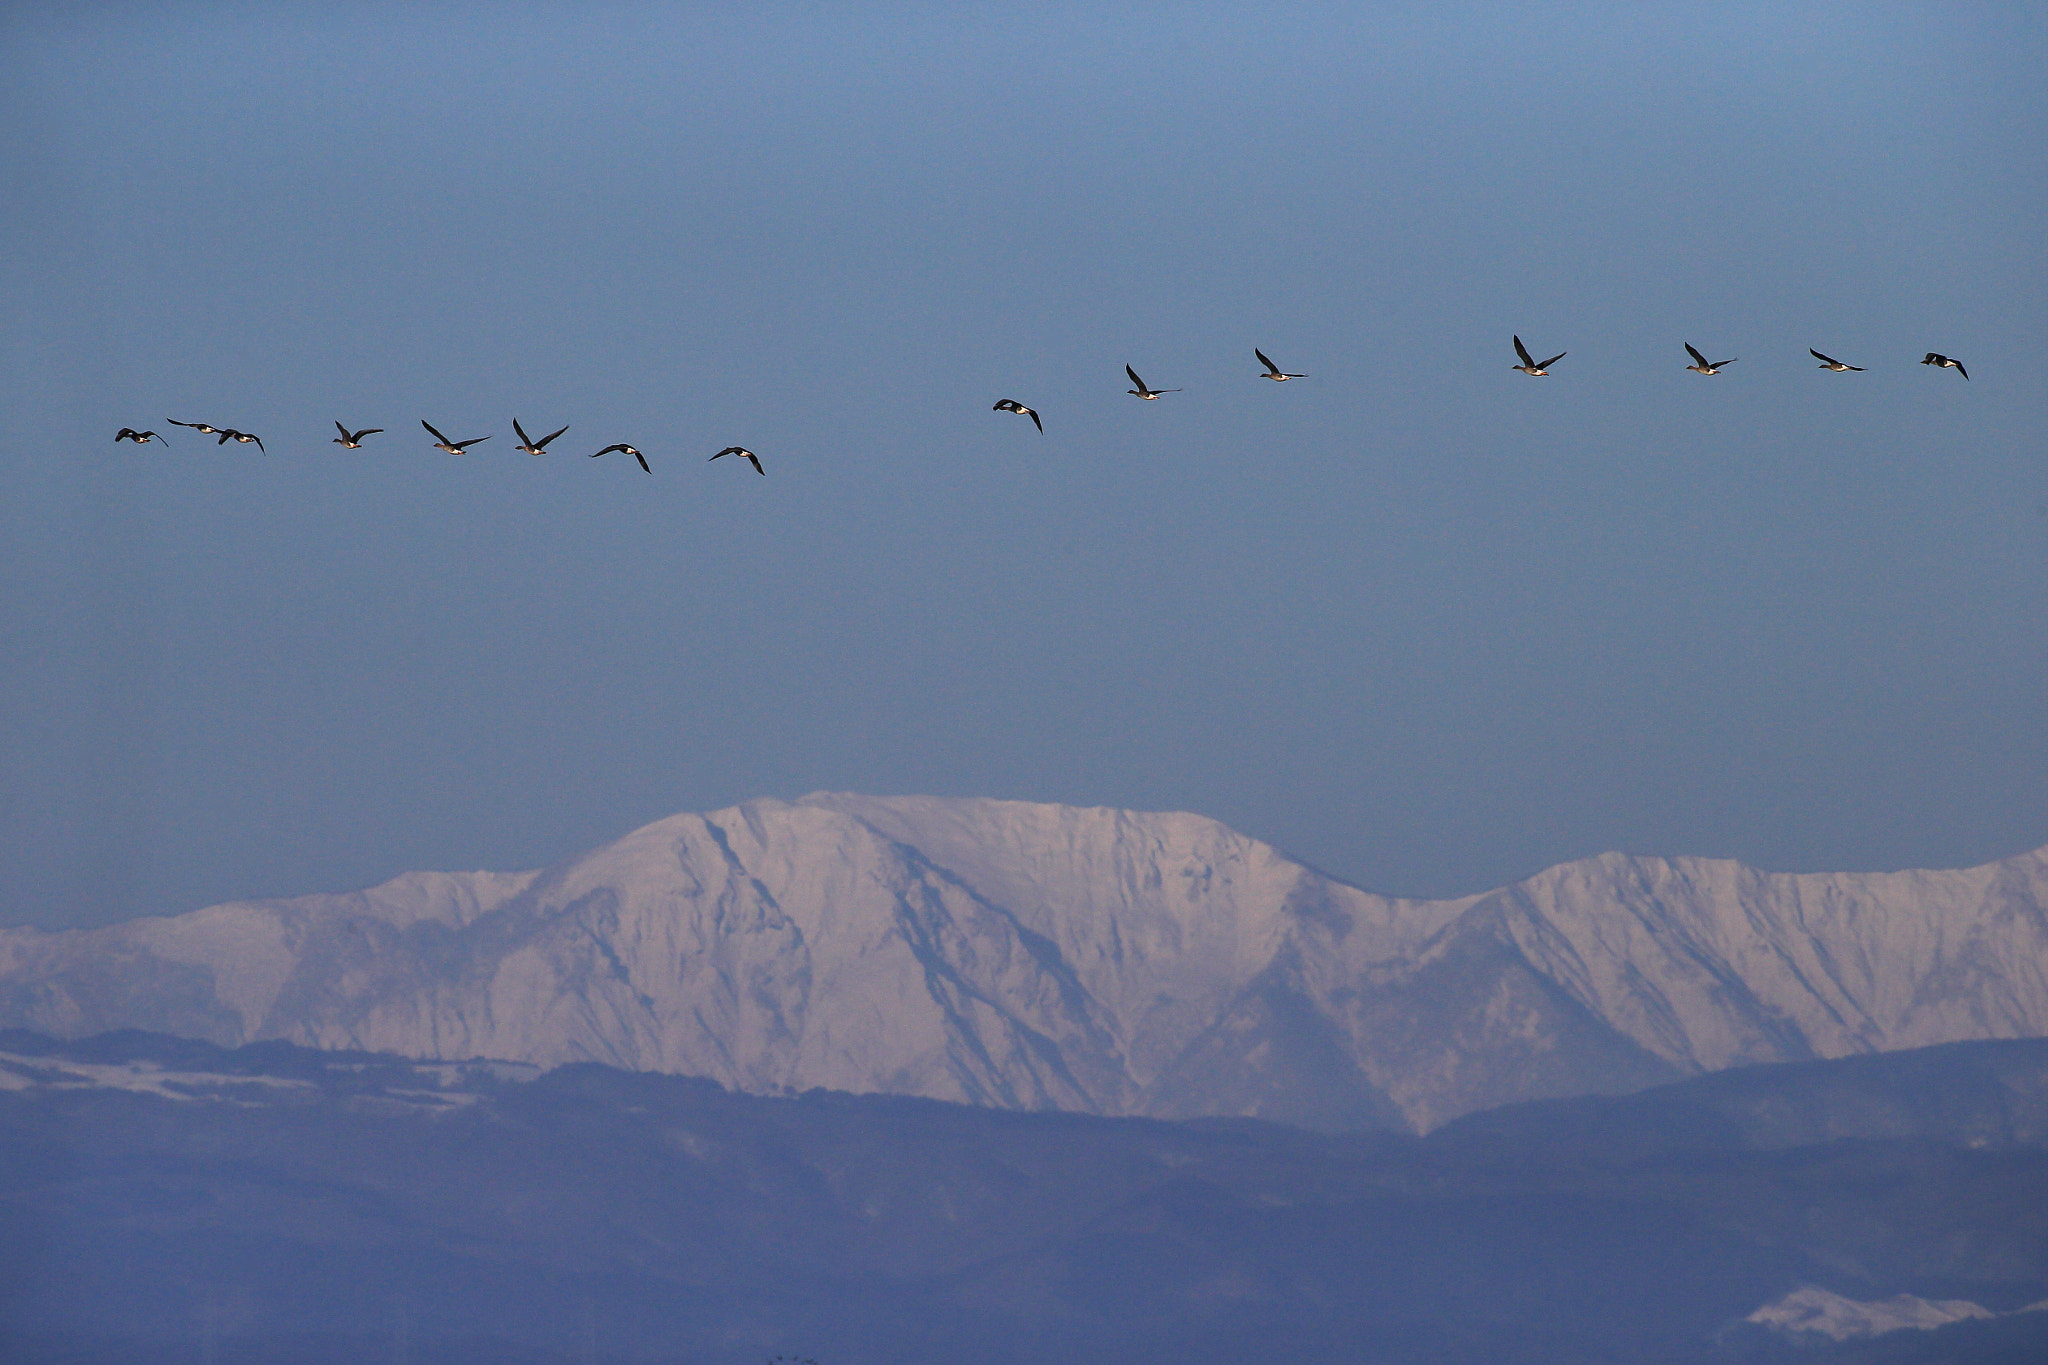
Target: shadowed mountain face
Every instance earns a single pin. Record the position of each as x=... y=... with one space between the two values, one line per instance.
x=163 y=1200
x=1047 y=957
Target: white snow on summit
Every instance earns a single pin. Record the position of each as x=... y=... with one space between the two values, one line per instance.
x=1054 y=957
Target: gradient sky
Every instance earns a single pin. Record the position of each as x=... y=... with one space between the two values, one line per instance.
x=1422 y=621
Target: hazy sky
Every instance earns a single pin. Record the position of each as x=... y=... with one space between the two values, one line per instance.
x=1422 y=621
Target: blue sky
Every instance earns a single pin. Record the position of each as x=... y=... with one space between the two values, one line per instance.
x=1425 y=622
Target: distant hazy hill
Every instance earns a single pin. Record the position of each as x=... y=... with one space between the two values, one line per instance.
x=1048 y=957
x=290 y=1206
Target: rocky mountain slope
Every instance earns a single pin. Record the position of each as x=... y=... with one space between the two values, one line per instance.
x=1049 y=957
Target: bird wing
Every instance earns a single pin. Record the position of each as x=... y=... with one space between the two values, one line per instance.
x=1824 y=359
x=344 y=432
x=465 y=445
x=224 y=436
x=756 y=461
x=723 y=453
x=367 y=431
x=1959 y=368
x=1697 y=358
x=543 y=442
x=1033 y=415
x=520 y=431
x=1271 y=368
x=641 y=458
x=1553 y=360
x=1523 y=351
x=176 y=423
x=1134 y=378
x=437 y=435
x=259 y=443
x=609 y=449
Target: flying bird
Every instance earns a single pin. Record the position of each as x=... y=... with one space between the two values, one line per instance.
x=1933 y=358
x=1141 y=391
x=1529 y=366
x=1012 y=405
x=1273 y=371
x=527 y=445
x=620 y=447
x=741 y=450
x=142 y=438
x=1828 y=362
x=1701 y=365
x=196 y=426
x=452 y=447
x=352 y=440
x=230 y=434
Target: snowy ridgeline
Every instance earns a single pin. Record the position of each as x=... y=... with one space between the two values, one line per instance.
x=1813 y=1311
x=1049 y=957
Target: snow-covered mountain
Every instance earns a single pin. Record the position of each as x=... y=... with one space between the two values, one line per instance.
x=1035 y=956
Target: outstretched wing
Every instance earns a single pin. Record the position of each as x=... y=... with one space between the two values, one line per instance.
x=1553 y=360
x=435 y=434
x=543 y=441
x=520 y=431
x=344 y=432
x=756 y=460
x=1032 y=413
x=1823 y=359
x=1697 y=358
x=1523 y=351
x=1134 y=378
x=259 y=443
x=465 y=445
x=642 y=459
x=1959 y=368
x=1271 y=368
x=609 y=449
x=367 y=431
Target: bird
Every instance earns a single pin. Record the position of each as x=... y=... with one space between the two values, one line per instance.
x=1273 y=371
x=230 y=434
x=196 y=426
x=742 y=450
x=529 y=446
x=1141 y=391
x=621 y=446
x=1828 y=362
x=452 y=447
x=143 y=438
x=352 y=440
x=1012 y=405
x=1701 y=365
x=1529 y=366
x=1934 y=358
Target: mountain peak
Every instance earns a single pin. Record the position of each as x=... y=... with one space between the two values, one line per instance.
x=1041 y=956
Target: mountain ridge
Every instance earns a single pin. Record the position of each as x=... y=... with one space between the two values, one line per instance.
x=1033 y=956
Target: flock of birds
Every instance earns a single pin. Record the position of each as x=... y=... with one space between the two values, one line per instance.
x=353 y=440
